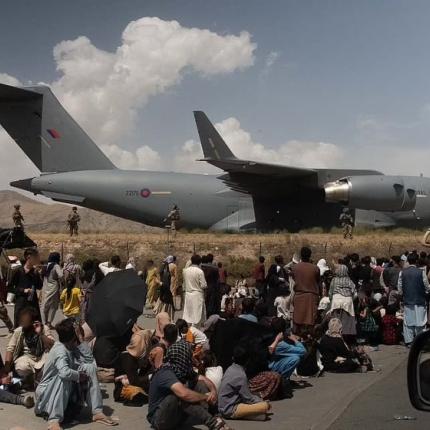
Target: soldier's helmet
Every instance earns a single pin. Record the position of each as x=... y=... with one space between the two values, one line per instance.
x=74 y=208
x=175 y=207
x=345 y=210
x=17 y=206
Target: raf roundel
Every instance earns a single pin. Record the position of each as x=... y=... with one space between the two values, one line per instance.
x=145 y=193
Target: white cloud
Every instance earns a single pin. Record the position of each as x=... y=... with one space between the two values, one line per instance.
x=104 y=90
x=8 y=80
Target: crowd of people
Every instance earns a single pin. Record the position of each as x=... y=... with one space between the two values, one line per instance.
x=232 y=352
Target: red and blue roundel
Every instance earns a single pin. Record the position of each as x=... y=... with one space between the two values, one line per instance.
x=145 y=193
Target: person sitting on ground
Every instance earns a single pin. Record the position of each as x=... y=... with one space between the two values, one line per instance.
x=70 y=372
x=71 y=298
x=390 y=326
x=6 y=396
x=114 y=266
x=27 y=348
x=287 y=350
x=248 y=306
x=132 y=386
x=235 y=400
x=336 y=356
x=192 y=335
x=171 y=401
x=208 y=367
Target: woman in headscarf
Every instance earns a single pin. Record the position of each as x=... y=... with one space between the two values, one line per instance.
x=91 y=276
x=153 y=283
x=336 y=356
x=165 y=299
x=342 y=292
x=71 y=268
x=135 y=361
x=52 y=279
x=156 y=354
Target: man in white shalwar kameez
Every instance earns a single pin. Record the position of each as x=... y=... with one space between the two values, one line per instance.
x=194 y=283
x=70 y=366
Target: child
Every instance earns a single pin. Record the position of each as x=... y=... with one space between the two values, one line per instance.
x=235 y=400
x=192 y=335
x=390 y=326
x=324 y=304
x=208 y=367
x=71 y=298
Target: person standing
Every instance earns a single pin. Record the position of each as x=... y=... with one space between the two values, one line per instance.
x=259 y=276
x=413 y=285
x=73 y=221
x=51 y=288
x=18 y=219
x=347 y=223
x=306 y=292
x=26 y=282
x=277 y=280
x=153 y=282
x=195 y=286
x=4 y=316
x=213 y=296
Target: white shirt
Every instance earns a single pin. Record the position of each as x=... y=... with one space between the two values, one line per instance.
x=105 y=268
x=194 y=280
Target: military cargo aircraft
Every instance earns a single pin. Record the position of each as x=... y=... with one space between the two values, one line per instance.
x=249 y=195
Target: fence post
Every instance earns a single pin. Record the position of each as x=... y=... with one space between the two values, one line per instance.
x=62 y=252
x=260 y=253
x=389 y=249
x=128 y=252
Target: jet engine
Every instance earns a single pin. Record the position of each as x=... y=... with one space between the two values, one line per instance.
x=372 y=192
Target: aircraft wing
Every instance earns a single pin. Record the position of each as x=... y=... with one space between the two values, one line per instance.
x=244 y=175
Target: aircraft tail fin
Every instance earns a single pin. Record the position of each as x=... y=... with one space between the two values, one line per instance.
x=48 y=135
x=213 y=145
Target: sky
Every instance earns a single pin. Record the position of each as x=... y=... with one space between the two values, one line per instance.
x=323 y=83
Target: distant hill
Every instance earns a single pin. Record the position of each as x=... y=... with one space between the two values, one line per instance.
x=51 y=218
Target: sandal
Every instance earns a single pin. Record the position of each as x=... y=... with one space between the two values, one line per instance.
x=219 y=424
x=103 y=419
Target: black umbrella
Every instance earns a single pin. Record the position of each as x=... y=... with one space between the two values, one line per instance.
x=13 y=238
x=118 y=301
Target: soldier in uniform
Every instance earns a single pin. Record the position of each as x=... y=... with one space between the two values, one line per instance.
x=73 y=221
x=18 y=218
x=347 y=223
x=173 y=217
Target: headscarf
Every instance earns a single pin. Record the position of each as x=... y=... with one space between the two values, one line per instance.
x=322 y=265
x=169 y=259
x=139 y=343
x=341 y=282
x=161 y=320
x=179 y=356
x=334 y=328
x=53 y=259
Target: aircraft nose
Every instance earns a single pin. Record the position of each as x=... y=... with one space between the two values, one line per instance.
x=23 y=184
x=337 y=192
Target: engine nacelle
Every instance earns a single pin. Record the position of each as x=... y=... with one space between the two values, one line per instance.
x=372 y=192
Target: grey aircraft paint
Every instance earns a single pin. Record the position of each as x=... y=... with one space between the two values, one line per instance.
x=249 y=195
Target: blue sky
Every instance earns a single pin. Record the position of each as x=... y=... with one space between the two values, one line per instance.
x=352 y=74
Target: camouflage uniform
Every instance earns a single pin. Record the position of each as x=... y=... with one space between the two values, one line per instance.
x=173 y=217
x=347 y=223
x=18 y=218
x=73 y=221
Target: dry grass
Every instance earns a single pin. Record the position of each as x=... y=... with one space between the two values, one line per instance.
x=237 y=251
